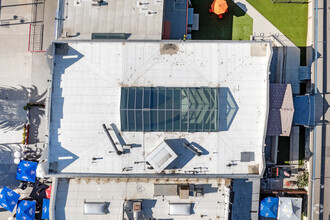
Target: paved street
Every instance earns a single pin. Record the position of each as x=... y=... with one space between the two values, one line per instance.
x=321 y=205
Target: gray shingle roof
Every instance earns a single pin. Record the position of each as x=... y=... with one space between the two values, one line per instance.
x=280 y=110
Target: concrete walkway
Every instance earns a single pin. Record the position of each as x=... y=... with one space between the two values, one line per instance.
x=262 y=29
x=261 y=26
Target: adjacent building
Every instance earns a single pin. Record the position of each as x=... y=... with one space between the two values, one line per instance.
x=142 y=128
x=202 y=106
x=138 y=114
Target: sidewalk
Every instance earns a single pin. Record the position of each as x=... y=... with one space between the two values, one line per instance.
x=320 y=207
x=41 y=76
x=15 y=76
x=23 y=79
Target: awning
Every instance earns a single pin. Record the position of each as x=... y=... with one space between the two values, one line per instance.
x=45 y=209
x=26 y=171
x=48 y=192
x=26 y=210
x=8 y=198
x=304 y=110
x=268 y=207
x=289 y=208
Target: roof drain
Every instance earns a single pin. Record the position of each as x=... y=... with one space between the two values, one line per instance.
x=111 y=140
x=192 y=149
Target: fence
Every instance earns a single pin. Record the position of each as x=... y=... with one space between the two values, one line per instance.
x=35 y=38
x=36 y=27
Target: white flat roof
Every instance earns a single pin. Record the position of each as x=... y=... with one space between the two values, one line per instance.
x=71 y=194
x=87 y=81
x=141 y=19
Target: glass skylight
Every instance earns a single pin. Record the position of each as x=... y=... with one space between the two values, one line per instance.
x=168 y=109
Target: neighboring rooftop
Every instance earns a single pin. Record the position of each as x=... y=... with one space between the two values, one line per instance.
x=175 y=19
x=137 y=19
x=245 y=201
x=280 y=110
x=87 y=83
x=208 y=199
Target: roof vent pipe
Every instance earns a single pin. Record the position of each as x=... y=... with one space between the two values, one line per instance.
x=111 y=140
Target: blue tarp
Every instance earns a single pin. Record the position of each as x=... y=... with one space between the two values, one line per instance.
x=45 y=209
x=268 y=207
x=303 y=110
x=26 y=171
x=8 y=198
x=26 y=210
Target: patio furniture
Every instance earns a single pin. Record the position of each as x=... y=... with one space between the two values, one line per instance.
x=195 y=26
x=219 y=7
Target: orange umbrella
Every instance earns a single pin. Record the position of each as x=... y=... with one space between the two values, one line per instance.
x=219 y=7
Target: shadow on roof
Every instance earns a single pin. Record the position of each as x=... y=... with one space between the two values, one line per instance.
x=241 y=207
x=228 y=108
x=61 y=195
x=67 y=56
x=184 y=155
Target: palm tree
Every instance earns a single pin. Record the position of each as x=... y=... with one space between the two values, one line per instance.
x=13 y=99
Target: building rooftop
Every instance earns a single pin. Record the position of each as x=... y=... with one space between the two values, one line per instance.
x=280 y=110
x=88 y=78
x=137 y=19
x=210 y=200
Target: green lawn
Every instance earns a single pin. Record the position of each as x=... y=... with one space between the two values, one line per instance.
x=235 y=25
x=290 y=19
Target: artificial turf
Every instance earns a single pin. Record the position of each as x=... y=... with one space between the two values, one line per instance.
x=289 y=18
x=235 y=24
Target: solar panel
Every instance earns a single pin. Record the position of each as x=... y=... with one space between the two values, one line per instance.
x=169 y=109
